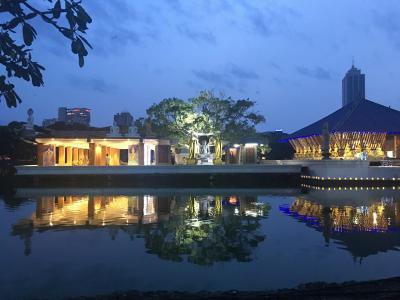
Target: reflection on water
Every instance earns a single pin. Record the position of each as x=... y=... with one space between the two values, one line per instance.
x=202 y=229
x=364 y=222
x=88 y=242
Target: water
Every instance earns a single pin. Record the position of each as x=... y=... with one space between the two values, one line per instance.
x=60 y=242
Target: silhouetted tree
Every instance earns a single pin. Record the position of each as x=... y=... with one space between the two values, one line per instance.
x=68 y=17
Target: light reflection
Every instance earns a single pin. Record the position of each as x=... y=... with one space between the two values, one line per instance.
x=176 y=224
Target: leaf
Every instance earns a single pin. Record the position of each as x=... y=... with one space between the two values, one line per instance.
x=71 y=19
x=85 y=41
x=67 y=32
x=29 y=34
x=57 y=9
x=13 y=23
x=81 y=61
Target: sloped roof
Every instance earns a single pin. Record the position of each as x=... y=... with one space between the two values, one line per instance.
x=361 y=116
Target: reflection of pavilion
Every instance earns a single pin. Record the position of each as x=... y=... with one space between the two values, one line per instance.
x=96 y=211
x=140 y=214
x=361 y=227
x=90 y=212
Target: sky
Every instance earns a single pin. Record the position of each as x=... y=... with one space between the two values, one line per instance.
x=288 y=56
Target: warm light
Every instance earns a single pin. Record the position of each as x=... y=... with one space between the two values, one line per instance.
x=251 y=145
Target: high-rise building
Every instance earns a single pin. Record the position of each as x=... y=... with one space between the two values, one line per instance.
x=74 y=115
x=49 y=122
x=123 y=119
x=353 y=86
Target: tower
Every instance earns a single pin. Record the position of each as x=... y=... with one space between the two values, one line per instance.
x=353 y=86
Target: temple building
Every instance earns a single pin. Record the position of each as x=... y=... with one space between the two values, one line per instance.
x=360 y=130
x=100 y=148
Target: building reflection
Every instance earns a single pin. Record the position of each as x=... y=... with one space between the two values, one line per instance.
x=172 y=226
x=360 y=221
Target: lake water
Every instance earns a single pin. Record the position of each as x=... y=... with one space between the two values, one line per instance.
x=61 y=242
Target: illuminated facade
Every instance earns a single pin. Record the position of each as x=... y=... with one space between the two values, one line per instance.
x=360 y=130
x=97 y=149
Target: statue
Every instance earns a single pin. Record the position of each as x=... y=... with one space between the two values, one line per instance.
x=29 y=124
x=114 y=130
x=325 y=142
x=192 y=147
x=218 y=150
x=132 y=131
x=204 y=149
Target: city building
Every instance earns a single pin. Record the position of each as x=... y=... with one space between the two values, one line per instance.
x=74 y=115
x=353 y=86
x=49 y=122
x=360 y=130
x=123 y=119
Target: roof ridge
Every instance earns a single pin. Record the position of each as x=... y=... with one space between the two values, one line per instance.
x=347 y=115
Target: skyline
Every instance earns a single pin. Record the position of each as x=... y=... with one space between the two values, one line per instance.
x=243 y=49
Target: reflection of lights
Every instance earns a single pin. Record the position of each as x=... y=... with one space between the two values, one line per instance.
x=374 y=217
x=252 y=213
x=236 y=211
x=233 y=200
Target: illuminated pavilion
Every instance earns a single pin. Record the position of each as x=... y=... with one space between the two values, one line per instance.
x=100 y=148
x=362 y=127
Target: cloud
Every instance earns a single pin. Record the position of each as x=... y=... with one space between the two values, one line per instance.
x=214 y=78
x=316 y=73
x=197 y=35
x=96 y=84
x=388 y=22
x=231 y=76
x=269 y=19
x=241 y=73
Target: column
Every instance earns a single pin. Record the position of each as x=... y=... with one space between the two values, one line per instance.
x=61 y=155
x=39 y=154
x=103 y=156
x=81 y=156
x=69 y=156
x=75 y=156
x=163 y=154
x=141 y=154
x=92 y=154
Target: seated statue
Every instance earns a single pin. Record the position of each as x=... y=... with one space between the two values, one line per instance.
x=114 y=130
x=132 y=131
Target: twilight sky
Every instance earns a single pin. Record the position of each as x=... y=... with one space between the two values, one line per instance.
x=289 y=56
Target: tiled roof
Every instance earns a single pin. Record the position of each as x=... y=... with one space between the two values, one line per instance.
x=362 y=116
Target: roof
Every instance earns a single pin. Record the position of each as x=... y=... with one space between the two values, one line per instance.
x=361 y=116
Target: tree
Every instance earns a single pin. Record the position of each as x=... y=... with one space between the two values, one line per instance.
x=228 y=118
x=231 y=119
x=68 y=17
x=172 y=118
x=205 y=239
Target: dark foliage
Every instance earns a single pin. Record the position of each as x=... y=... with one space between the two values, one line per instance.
x=68 y=17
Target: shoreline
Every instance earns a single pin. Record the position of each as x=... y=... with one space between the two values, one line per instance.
x=388 y=288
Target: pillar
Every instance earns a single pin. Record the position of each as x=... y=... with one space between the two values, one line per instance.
x=92 y=154
x=69 y=156
x=141 y=154
x=60 y=202
x=80 y=156
x=91 y=209
x=61 y=155
x=163 y=154
x=103 y=156
x=39 y=154
x=75 y=156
